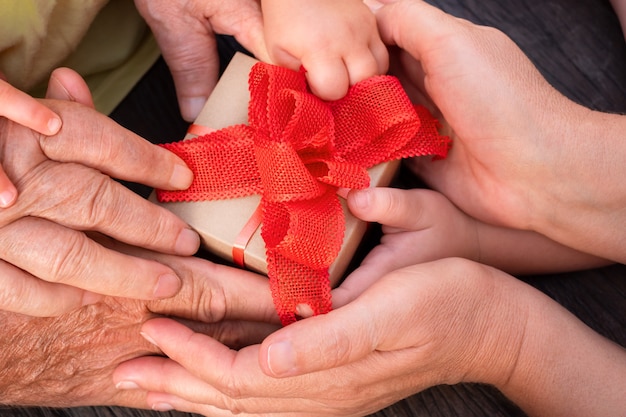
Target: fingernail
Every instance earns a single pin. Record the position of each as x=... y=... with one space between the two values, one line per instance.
x=148 y=338
x=126 y=385
x=361 y=199
x=373 y=5
x=191 y=107
x=54 y=125
x=7 y=198
x=181 y=177
x=162 y=407
x=188 y=242
x=281 y=359
x=167 y=286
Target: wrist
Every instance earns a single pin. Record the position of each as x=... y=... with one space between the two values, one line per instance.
x=585 y=194
x=497 y=346
x=564 y=368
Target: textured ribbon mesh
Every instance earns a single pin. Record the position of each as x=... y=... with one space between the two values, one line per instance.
x=295 y=152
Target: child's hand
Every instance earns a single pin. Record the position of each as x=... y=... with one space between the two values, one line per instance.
x=21 y=108
x=337 y=42
x=419 y=225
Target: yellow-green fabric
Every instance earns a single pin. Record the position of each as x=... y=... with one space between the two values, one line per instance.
x=107 y=42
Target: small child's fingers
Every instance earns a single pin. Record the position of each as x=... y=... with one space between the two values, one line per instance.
x=8 y=192
x=327 y=76
x=415 y=209
x=366 y=62
x=21 y=108
x=361 y=67
x=381 y=55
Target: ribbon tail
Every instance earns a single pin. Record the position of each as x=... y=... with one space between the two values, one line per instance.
x=296 y=288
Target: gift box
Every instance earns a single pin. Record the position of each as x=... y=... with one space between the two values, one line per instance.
x=230 y=227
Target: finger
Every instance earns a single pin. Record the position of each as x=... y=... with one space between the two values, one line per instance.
x=381 y=260
x=349 y=334
x=402 y=209
x=327 y=76
x=361 y=67
x=246 y=25
x=412 y=25
x=236 y=334
x=207 y=372
x=22 y=293
x=8 y=192
x=188 y=46
x=114 y=150
x=381 y=55
x=210 y=358
x=80 y=198
x=67 y=84
x=21 y=108
x=61 y=255
x=214 y=293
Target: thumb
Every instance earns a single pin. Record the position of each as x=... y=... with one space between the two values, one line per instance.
x=395 y=208
x=322 y=342
x=194 y=66
x=189 y=47
x=67 y=84
x=413 y=25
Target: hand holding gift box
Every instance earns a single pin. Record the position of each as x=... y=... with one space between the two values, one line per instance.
x=284 y=168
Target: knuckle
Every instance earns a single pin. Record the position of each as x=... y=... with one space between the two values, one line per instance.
x=100 y=206
x=213 y=304
x=233 y=392
x=67 y=262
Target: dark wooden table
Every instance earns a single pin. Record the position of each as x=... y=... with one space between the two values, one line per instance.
x=579 y=47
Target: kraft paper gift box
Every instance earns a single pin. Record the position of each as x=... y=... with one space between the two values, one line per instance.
x=219 y=222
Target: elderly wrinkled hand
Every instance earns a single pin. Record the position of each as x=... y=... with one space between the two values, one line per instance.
x=21 y=108
x=68 y=361
x=442 y=327
x=49 y=264
x=185 y=32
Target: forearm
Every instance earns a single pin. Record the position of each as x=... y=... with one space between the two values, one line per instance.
x=583 y=202
x=565 y=368
x=521 y=252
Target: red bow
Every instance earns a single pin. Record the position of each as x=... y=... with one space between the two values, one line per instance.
x=296 y=151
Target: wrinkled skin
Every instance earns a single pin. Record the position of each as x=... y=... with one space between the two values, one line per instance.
x=48 y=264
x=185 y=31
x=68 y=360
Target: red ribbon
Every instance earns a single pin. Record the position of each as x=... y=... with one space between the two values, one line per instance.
x=296 y=151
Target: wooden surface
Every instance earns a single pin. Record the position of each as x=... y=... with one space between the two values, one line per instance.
x=579 y=47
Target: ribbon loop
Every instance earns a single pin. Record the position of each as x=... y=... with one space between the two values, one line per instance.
x=296 y=151
x=308 y=232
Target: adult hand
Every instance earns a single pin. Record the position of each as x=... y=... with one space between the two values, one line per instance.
x=68 y=361
x=417 y=327
x=21 y=108
x=442 y=322
x=49 y=265
x=523 y=155
x=185 y=31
